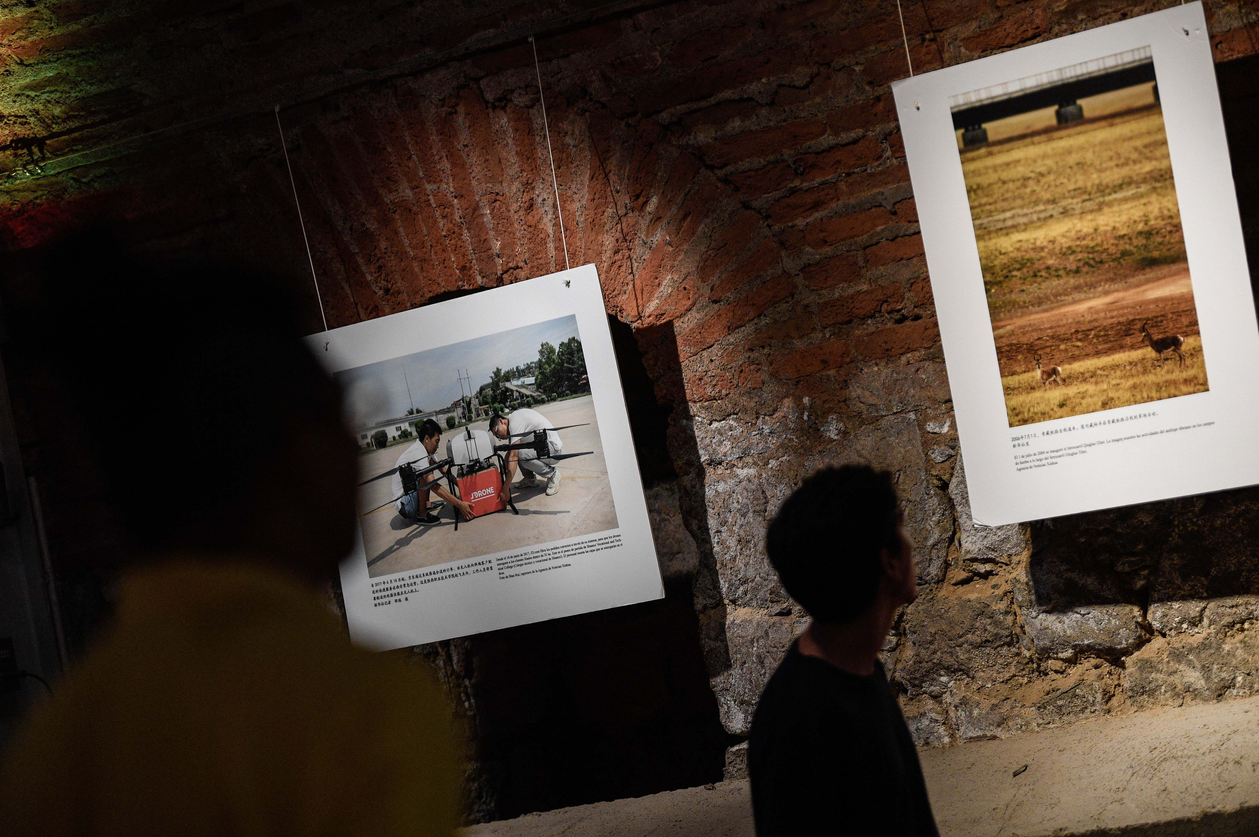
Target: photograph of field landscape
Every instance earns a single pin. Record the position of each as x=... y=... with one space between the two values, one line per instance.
x=1079 y=234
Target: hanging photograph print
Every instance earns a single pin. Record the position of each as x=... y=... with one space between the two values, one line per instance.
x=1081 y=232
x=498 y=481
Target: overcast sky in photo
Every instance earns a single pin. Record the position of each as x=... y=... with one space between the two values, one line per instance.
x=378 y=391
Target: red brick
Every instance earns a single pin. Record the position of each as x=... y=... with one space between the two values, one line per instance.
x=822 y=87
x=945 y=15
x=592 y=36
x=843 y=269
x=887 y=67
x=536 y=232
x=767 y=142
x=798 y=325
x=12 y=25
x=681 y=177
x=763 y=181
x=862 y=116
x=750 y=377
x=728 y=244
x=920 y=292
x=898 y=339
x=793 y=18
x=419 y=120
x=811 y=359
x=491 y=177
x=708 y=386
x=896 y=250
x=710 y=79
x=826 y=232
x=768 y=254
x=906 y=211
x=652 y=273
x=380 y=136
x=696 y=209
x=844 y=44
x=896 y=145
x=729 y=317
x=1012 y=31
x=861 y=305
x=473 y=215
x=866 y=183
x=721 y=113
x=706 y=45
x=839 y=160
x=803 y=203
x=1235 y=43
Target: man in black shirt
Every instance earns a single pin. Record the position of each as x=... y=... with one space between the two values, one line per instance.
x=829 y=750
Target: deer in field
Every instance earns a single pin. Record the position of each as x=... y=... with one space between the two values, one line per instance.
x=1170 y=343
x=1053 y=373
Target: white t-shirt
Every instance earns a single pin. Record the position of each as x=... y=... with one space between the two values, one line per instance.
x=415 y=453
x=525 y=421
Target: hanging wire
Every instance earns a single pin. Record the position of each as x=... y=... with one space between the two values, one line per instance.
x=908 y=60
x=546 y=128
x=301 y=220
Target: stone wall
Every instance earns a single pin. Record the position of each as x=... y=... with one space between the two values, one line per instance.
x=735 y=171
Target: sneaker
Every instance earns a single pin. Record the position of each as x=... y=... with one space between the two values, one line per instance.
x=528 y=482
x=553 y=484
x=429 y=519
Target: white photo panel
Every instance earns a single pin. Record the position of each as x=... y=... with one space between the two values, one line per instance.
x=1081 y=231
x=540 y=352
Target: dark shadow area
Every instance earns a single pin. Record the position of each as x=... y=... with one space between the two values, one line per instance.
x=1191 y=547
x=648 y=418
x=611 y=704
x=1243 y=822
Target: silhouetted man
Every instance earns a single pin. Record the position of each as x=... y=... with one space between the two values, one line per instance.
x=224 y=698
x=829 y=750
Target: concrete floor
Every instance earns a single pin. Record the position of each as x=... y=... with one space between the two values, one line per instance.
x=582 y=506
x=1166 y=772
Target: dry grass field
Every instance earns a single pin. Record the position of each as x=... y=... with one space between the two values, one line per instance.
x=1117 y=380
x=1080 y=241
x=1064 y=213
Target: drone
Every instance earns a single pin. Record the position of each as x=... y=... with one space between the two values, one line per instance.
x=475 y=468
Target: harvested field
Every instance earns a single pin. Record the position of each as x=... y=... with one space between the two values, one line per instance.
x=1080 y=243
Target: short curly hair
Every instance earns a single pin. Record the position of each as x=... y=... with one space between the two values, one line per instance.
x=826 y=540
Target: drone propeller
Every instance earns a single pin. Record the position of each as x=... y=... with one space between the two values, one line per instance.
x=419 y=472
x=388 y=473
x=531 y=432
x=570 y=455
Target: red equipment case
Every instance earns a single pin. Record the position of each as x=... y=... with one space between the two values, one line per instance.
x=484 y=490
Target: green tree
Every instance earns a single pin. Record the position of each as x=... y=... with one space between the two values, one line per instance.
x=570 y=366
x=380 y=438
x=547 y=368
x=450 y=422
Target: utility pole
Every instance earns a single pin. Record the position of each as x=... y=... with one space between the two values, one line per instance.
x=409 y=398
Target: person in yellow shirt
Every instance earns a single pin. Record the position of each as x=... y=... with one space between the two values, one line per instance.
x=224 y=698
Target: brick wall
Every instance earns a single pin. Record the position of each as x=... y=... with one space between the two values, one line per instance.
x=736 y=173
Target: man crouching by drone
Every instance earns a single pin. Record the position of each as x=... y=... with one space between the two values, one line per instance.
x=412 y=491
x=515 y=427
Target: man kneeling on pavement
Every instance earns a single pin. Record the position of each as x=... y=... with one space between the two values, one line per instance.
x=413 y=492
x=526 y=421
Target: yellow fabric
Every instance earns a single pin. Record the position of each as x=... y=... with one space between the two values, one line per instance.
x=228 y=701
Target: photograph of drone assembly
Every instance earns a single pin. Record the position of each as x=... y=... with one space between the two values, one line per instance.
x=516 y=433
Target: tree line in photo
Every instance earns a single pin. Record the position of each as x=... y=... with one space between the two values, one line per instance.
x=559 y=372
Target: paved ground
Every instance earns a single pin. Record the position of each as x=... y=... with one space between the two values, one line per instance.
x=1166 y=772
x=582 y=506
